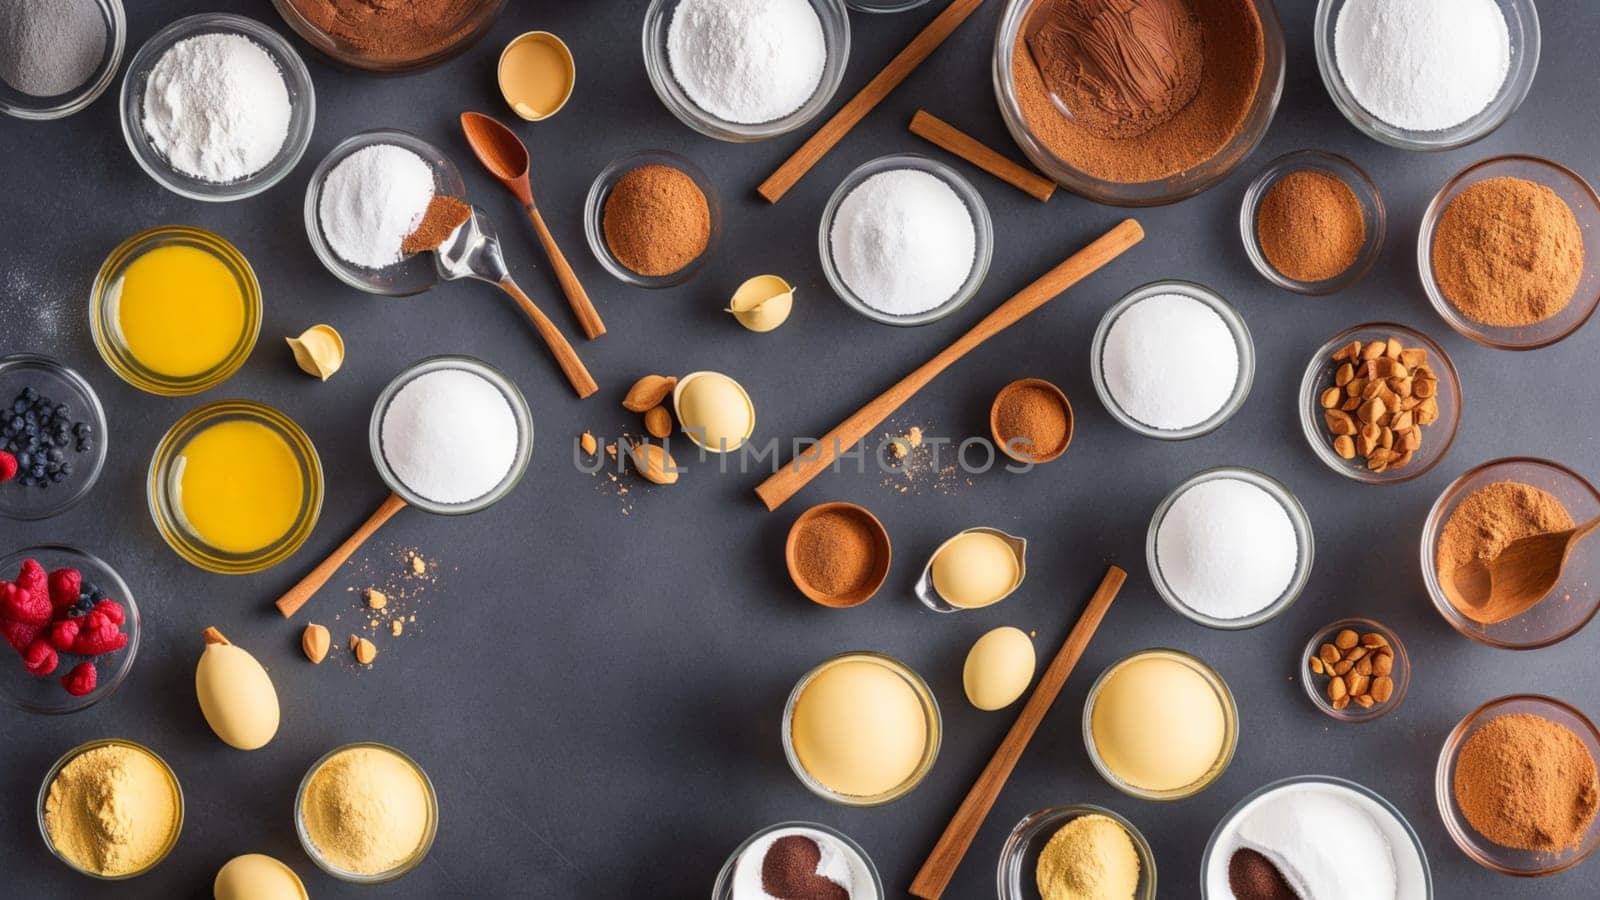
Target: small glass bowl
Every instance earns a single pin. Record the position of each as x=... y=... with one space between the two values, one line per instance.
x=1019 y=857
x=1585 y=206
x=594 y=214
x=1436 y=438
x=1230 y=734
x=162 y=488
x=1522 y=26
x=1173 y=188
x=1241 y=340
x=1326 y=163
x=473 y=25
x=514 y=399
x=46 y=696
x=883 y=6
x=982 y=224
x=723 y=887
x=1304 y=541
x=107 y=331
x=1575 y=598
x=835 y=21
x=63 y=385
x=413 y=274
x=1481 y=850
x=26 y=106
x=1316 y=685
x=931 y=718
x=1415 y=878
x=357 y=877
x=302 y=107
x=74 y=753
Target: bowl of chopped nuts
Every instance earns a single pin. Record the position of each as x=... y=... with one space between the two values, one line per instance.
x=1380 y=403
x=1355 y=670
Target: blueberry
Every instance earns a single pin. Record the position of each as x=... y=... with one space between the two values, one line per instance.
x=16 y=423
x=54 y=454
x=84 y=445
x=29 y=394
x=66 y=467
x=82 y=428
x=37 y=471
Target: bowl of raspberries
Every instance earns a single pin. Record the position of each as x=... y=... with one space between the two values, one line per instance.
x=71 y=626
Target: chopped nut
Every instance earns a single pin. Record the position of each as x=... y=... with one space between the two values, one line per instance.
x=376 y=599
x=396 y=627
x=1344 y=446
x=1339 y=422
x=587 y=442
x=1331 y=398
x=366 y=651
x=315 y=642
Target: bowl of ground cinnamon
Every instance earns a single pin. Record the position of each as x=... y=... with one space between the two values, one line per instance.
x=386 y=37
x=652 y=218
x=1312 y=222
x=838 y=554
x=1138 y=135
x=1031 y=421
x=1483 y=511
x=1504 y=249
x=1517 y=785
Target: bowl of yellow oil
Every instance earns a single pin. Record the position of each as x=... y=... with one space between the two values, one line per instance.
x=235 y=487
x=175 y=310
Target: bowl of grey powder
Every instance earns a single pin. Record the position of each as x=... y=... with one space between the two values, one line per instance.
x=217 y=107
x=58 y=56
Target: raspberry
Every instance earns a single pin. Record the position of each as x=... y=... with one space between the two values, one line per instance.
x=8 y=466
x=64 y=633
x=19 y=634
x=65 y=585
x=33 y=579
x=112 y=610
x=81 y=680
x=98 y=634
x=40 y=658
x=17 y=604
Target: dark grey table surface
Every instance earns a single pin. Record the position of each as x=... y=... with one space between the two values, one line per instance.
x=594 y=682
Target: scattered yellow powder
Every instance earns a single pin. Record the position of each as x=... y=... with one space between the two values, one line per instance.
x=376 y=599
x=112 y=810
x=419 y=565
x=366 y=810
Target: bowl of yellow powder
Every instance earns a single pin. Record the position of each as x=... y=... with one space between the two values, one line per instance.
x=366 y=813
x=1078 y=852
x=111 y=809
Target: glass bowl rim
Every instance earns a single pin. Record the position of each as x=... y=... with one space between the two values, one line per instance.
x=594 y=214
x=874 y=7
x=723 y=886
x=1402 y=666
x=404 y=867
x=74 y=753
x=1017 y=841
x=92 y=89
x=96 y=416
x=1347 y=171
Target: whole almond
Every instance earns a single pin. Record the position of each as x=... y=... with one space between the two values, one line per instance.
x=366 y=652
x=315 y=642
x=654 y=463
x=1382 y=688
x=1365 y=701
x=1339 y=422
x=1346 y=639
x=1345 y=446
x=1329 y=654
x=1336 y=688
x=1341 y=703
x=1383 y=664
x=1374 y=639
x=1316 y=665
x=658 y=421
x=648 y=392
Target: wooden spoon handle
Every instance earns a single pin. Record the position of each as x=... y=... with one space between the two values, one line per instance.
x=588 y=316
x=787 y=481
x=566 y=357
x=935 y=874
x=290 y=603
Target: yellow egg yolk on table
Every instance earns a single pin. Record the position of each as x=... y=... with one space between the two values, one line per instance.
x=859 y=728
x=179 y=310
x=974 y=569
x=240 y=485
x=1158 y=724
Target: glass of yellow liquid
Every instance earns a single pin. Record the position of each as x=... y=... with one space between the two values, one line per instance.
x=235 y=487
x=175 y=310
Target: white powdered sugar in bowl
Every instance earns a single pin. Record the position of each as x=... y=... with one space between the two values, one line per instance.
x=372 y=201
x=450 y=436
x=217 y=108
x=747 y=61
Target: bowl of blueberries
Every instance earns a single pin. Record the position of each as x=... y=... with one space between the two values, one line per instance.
x=52 y=437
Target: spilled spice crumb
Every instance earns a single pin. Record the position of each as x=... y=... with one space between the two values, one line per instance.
x=917 y=467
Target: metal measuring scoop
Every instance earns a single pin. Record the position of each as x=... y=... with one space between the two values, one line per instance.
x=474 y=252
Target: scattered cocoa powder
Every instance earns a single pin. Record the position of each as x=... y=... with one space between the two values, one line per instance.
x=1481 y=526
x=1528 y=783
x=1508 y=252
x=394 y=30
x=1310 y=226
x=443 y=216
x=1251 y=876
x=1031 y=418
x=836 y=553
x=656 y=220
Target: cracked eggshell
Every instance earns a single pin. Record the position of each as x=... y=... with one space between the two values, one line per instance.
x=762 y=303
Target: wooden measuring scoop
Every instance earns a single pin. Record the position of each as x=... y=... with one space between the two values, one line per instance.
x=1525 y=572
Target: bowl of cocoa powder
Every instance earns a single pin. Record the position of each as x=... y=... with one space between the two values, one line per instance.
x=652 y=218
x=390 y=38
x=838 y=554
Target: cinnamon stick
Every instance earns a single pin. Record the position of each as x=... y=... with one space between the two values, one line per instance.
x=942 y=134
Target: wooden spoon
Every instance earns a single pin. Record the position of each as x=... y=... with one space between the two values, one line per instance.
x=1522 y=575
x=506 y=158
x=290 y=603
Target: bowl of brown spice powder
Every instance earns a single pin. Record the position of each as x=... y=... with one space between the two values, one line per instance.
x=652 y=218
x=1031 y=420
x=390 y=38
x=1312 y=222
x=1504 y=248
x=838 y=554
x=1517 y=788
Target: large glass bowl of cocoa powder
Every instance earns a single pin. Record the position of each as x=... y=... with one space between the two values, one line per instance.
x=390 y=38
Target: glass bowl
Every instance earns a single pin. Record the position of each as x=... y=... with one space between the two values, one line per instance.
x=1416 y=879
x=1147 y=193
x=835 y=35
x=163 y=491
x=357 y=877
x=1019 y=857
x=514 y=399
x=1332 y=164
x=931 y=718
x=46 y=695
x=1230 y=717
x=302 y=107
x=724 y=886
x=982 y=225
x=69 y=756
x=1585 y=206
x=473 y=25
x=594 y=214
x=1522 y=26
x=27 y=106
x=1481 y=850
x=1316 y=685
x=1436 y=438
x=107 y=332
x=1303 y=539
x=1230 y=317
x=415 y=273
x=63 y=385
x=1575 y=598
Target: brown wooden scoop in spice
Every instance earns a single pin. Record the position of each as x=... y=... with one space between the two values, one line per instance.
x=444 y=215
x=1520 y=576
